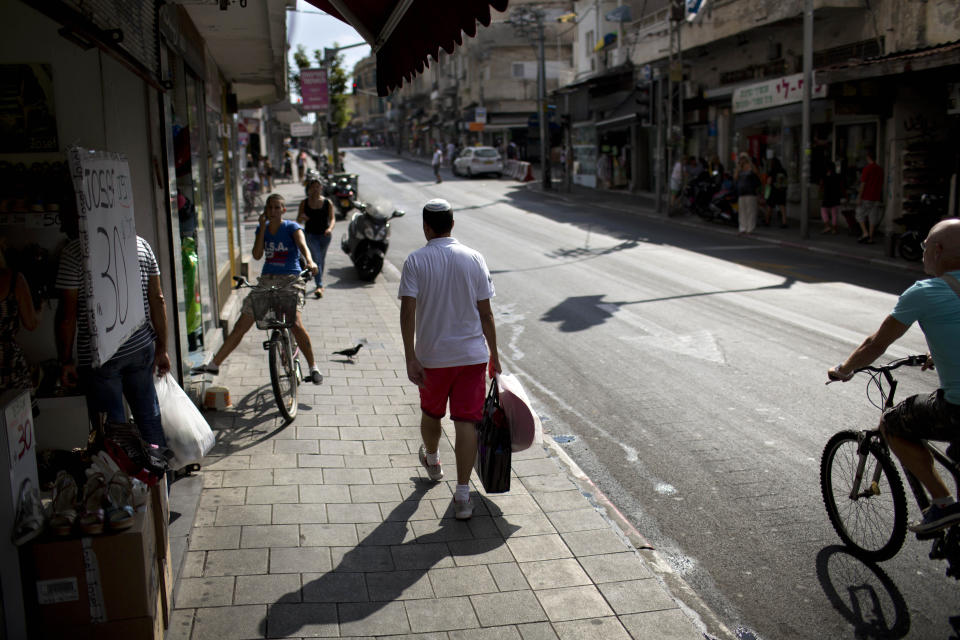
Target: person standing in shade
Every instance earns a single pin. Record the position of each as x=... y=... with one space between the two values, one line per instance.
x=437 y=161
x=832 y=187
x=317 y=217
x=777 y=201
x=869 y=198
x=130 y=370
x=748 y=187
x=449 y=336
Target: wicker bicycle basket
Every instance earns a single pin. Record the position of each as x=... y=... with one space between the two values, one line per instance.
x=273 y=309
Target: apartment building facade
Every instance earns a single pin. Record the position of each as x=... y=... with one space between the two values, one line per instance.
x=885 y=79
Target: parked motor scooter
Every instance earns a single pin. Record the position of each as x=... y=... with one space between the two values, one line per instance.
x=918 y=224
x=698 y=194
x=723 y=202
x=343 y=194
x=368 y=237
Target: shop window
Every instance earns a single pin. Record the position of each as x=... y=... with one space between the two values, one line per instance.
x=851 y=142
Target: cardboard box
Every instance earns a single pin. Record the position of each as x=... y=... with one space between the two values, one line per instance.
x=144 y=628
x=93 y=580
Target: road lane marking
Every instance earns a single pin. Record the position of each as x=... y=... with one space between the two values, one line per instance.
x=700 y=344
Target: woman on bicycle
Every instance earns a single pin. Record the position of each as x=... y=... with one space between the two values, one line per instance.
x=281 y=243
x=317 y=217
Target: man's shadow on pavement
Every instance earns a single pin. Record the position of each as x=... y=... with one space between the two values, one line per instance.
x=383 y=551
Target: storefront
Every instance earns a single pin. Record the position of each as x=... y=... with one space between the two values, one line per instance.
x=768 y=125
x=907 y=107
x=146 y=86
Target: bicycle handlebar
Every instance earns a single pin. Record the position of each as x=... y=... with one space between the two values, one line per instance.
x=909 y=361
x=241 y=281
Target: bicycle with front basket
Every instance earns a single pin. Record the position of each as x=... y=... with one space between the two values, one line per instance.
x=275 y=311
x=863 y=493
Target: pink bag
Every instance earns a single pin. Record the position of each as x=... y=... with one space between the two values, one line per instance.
x=525 y=427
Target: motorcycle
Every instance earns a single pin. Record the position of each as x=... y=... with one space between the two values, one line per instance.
x=343 y=194
x=698 y=195
x=368 y=237
x=918 y=224
x=723 y=205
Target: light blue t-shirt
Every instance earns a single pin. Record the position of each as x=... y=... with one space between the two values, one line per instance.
x=936 y=307
x=280 y=253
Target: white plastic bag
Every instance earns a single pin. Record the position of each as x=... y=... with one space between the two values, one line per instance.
x=189 y=436
x=525 y=427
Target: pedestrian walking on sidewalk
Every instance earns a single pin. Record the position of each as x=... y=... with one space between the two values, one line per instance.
x=748 y=188
x=869 y=198
x=281 y=243
x=449 y=336
x=317 y=217
x=437 y=161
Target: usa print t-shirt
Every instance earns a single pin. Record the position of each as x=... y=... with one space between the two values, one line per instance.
x=280 y=252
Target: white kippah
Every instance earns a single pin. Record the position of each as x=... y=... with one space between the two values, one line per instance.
x=437 y=204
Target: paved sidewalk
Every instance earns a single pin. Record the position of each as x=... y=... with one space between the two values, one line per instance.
x=328 y=527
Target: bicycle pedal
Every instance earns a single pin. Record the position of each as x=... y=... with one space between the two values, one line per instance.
x=266 y=345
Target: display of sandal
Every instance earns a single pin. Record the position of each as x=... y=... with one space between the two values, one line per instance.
x=64 y=504
x=30 y=519
x=94 y=492
x=120 y=502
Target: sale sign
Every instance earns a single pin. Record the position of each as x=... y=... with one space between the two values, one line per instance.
x=108 y=238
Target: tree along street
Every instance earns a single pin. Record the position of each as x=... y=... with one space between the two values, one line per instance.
x=688 y=365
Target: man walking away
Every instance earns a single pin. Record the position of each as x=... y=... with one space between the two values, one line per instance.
x=447 y=327
x=437 y=160
x=869 y=205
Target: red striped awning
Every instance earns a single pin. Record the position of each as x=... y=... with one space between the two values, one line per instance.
x=405 y=33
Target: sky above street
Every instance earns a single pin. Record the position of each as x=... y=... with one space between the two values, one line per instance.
x=315 y=30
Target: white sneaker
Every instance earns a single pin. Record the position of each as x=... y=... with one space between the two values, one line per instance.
x=462 y=510
x=433 y=470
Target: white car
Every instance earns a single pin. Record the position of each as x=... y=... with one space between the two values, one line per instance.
x=476 y=160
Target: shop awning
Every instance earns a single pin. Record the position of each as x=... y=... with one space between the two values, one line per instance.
x=942 y=55
x=404 y=33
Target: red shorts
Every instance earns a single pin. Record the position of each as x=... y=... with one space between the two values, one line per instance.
x=465 y=386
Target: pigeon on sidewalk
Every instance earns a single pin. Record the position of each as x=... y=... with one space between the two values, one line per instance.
x=349 y=353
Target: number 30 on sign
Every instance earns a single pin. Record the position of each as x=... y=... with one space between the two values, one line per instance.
x=108 y=237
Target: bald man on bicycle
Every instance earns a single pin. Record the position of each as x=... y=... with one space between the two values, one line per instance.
x=935 y=304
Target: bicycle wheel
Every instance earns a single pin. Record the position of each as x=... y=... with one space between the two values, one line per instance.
x=283 y=376
x=874 y=522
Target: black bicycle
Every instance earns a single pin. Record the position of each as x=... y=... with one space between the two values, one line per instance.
x=863 y=492
x=275 y=310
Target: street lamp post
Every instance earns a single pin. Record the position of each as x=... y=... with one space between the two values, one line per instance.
x=528 y=21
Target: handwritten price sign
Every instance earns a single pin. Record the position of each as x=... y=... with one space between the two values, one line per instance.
x=108 y=236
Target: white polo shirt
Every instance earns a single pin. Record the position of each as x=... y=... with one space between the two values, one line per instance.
x=447 y=279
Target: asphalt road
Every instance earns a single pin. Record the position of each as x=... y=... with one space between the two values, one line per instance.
x=687 y=368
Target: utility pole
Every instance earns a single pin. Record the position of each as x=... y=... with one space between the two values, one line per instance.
x=529 y=21
x=807 y=89
x=675 y=88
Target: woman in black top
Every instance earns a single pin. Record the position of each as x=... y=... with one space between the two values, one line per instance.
x=777 y=179
x=832 y=188
x=316 y=216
